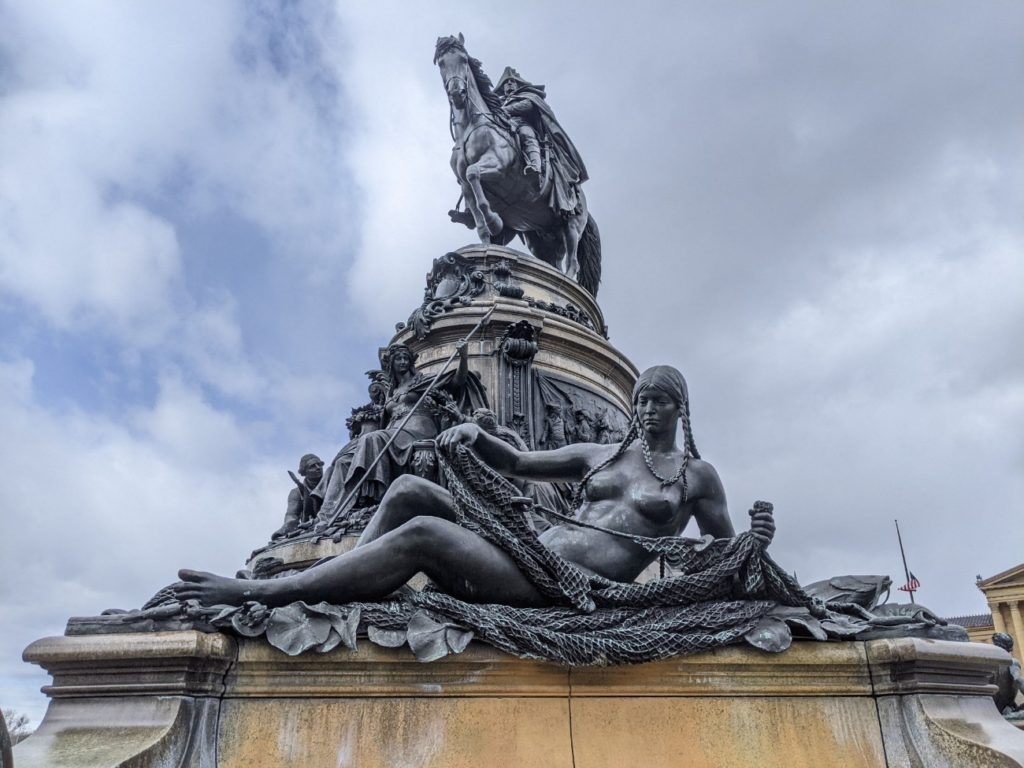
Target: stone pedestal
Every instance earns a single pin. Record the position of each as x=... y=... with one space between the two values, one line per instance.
x=186 y=699
x=569 y=360
x=297 y=554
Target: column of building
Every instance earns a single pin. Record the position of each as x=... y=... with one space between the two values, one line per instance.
x=997 y=617
x=1018 y=626
x=1008 y=617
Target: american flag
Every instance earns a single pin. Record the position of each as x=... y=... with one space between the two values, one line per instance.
x=911 y=586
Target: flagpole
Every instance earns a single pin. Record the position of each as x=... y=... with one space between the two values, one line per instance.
x=906 y=571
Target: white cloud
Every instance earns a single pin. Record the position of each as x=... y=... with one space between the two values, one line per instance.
x=101 y=514
x=212 y=350
x=822 y=225
x=110 y=108
x=877 y=399
x=399 y=151
x=78 y=260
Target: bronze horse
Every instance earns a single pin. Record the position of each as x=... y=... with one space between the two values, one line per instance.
x=501 y=200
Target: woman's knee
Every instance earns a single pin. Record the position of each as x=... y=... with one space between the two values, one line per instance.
x=406 y=488
x=413 y=491
x=424 y=534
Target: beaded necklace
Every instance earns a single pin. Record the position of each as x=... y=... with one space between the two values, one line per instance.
x=649 y=460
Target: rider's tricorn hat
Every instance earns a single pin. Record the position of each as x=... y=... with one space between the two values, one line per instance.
x=510 y=74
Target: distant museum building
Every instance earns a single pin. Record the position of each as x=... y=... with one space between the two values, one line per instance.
x=1004 y=593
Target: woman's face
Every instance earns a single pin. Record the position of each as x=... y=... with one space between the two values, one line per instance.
x=657 y=411
x=400 y=361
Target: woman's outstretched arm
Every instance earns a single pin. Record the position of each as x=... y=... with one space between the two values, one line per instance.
x=567 y=464
x=712 y=513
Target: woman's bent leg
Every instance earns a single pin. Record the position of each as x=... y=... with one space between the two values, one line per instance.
x=408 y=497
x=460 y=562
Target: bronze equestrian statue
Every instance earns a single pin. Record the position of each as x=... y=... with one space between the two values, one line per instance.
x=519 y=171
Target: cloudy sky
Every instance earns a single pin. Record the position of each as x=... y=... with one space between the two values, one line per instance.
x=212 y=214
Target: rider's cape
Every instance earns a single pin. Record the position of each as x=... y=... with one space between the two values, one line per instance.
x=567 y=168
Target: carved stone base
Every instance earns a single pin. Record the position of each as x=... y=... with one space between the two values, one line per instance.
x=185 y=699
x=284 y=556
x=565 y=361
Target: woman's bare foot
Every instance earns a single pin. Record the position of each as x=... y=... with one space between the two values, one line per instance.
x=210 y=589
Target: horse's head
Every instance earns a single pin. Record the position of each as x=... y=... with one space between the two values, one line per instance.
x=453 y=61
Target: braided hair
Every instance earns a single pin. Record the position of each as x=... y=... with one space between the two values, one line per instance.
x=684 y=418
x=631 y=435
x=670 y=381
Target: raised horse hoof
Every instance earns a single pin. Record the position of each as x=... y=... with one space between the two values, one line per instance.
x=462 y=217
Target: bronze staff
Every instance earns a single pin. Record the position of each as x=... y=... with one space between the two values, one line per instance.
x=384 y=450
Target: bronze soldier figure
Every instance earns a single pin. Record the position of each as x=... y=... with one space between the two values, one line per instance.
x=535 y=124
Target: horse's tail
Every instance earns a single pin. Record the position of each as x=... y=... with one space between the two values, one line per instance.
x=589 y=254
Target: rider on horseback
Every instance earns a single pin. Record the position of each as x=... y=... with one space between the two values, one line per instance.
x=534 y=122
x=546 y=205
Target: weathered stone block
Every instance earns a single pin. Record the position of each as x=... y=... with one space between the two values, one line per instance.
x=187 y=699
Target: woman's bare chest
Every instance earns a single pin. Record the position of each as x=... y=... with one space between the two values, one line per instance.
x=631 y=484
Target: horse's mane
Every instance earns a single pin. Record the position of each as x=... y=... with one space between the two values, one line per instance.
x=483 y=82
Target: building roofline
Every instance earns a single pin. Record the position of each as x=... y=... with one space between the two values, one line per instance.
x=987 y=582
x=972 y=621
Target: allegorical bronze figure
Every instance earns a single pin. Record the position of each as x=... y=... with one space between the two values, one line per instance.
x=359 y=455
x=302 y=505
x=646 y=486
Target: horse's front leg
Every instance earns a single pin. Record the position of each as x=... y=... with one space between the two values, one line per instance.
x=478 y=217
x=476 y=173
x=471 y=215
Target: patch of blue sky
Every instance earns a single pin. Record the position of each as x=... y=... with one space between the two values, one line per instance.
x=282 y=313
x=287 y=37
x=83 y=368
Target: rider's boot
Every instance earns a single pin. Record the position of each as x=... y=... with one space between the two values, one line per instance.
x=531 y=149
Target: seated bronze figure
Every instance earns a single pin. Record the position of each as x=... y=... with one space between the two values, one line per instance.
x=369 y=463
x=646 y=486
